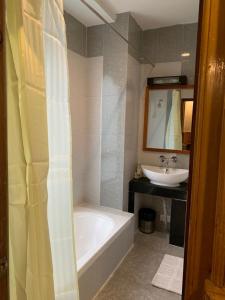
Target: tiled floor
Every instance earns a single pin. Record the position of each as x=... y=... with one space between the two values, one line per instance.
x=132 y=280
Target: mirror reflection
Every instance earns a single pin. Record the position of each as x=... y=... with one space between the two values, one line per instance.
x=168 y=118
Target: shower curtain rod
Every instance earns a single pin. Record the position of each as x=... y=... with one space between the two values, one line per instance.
x=116 y=31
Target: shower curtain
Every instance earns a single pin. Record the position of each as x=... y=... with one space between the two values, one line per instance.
x=41 y=262
x=173 y=139
x=60 y=209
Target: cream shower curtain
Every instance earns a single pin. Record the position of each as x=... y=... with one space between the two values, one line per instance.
x=36 y=235
x=60 y=209
x=173 y=139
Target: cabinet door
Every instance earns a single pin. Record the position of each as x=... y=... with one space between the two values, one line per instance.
x=177 y=222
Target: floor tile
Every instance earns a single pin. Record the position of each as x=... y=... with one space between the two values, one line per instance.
x=132 y=280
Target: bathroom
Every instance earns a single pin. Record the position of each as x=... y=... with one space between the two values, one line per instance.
x=108 y=80
x=98 y=190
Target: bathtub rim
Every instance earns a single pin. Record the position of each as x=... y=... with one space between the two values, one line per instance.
x=111 y=238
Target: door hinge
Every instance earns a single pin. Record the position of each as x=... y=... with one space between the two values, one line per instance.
x=3 y=266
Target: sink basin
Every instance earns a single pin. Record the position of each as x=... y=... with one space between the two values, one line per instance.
x=165 y=177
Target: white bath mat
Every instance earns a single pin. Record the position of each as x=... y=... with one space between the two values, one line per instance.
x=170 y=274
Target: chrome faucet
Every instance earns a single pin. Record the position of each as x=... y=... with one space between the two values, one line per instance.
x=166 y=160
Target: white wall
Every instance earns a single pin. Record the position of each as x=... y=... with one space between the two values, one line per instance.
x=86 y=75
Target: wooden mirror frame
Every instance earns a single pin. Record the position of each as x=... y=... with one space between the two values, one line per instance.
x=146 y=109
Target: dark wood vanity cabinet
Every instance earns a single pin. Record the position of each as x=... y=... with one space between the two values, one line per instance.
x=177 y=222
x=178 y=208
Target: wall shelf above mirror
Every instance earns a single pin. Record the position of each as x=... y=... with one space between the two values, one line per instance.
x=168 y=118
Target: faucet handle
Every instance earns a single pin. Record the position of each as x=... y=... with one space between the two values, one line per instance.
x=162 y=158
x=174 y=158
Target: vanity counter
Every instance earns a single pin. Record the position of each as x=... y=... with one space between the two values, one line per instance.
x=178 y=209
x=143 y=185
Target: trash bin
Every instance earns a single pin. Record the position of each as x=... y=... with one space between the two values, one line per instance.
x=147 y=220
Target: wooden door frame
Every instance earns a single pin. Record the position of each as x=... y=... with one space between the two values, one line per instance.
x=4 y=294
x=204 y=272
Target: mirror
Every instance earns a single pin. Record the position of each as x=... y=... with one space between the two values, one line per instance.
x=168 y=118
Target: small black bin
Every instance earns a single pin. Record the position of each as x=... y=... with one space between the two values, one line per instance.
x=147 y=220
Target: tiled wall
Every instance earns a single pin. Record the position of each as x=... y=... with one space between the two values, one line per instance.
x=115 y=53
x=110 y=112
x=135 y=38
x=85 y=90
x=123 y=79
x=76 y=34
x=131 y=124
x=166 y=45
x=158 y=45
x=120 y=111
x=86 y=41
x=95 y=40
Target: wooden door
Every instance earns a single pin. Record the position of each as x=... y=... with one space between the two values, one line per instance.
x=204 y=276
x=3 y=166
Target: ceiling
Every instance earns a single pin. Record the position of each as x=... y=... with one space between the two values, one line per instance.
x=79 y=11
x=148 y=13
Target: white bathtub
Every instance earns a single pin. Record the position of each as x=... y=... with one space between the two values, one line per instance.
x=103 y=237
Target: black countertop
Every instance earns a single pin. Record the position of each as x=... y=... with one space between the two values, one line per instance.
x=143 y=185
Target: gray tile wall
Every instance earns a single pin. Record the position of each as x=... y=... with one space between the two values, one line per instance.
x=115 y=53
x=89 y=41
x=189 y=45
x=76 y=34
x=95 y=40
x=86 y=41
x=122 y=24
x=158 y=45
x=166 y=45
x=131 y=125
x=135 y=38
x=95 y=34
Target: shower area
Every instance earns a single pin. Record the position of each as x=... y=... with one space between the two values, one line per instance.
x=104 y=71
x=105 y=91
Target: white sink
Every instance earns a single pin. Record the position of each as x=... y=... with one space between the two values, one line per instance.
x=165 y=176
